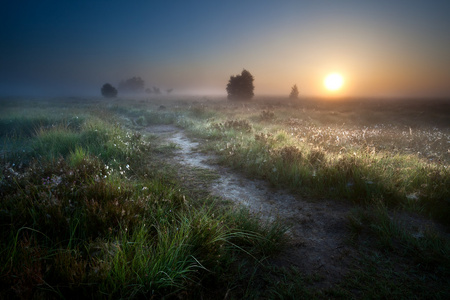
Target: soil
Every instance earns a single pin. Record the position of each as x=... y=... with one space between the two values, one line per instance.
x=318 y=235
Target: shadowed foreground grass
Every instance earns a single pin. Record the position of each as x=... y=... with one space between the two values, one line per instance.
x=89 y=209
x=81 y=216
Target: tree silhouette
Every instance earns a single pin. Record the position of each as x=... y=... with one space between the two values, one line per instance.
x=109 y=91
x=156 y=90
x=132 y=85
x=294 y=92
x=240 y=87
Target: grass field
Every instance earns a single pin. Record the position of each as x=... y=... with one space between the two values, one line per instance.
x=91 y=206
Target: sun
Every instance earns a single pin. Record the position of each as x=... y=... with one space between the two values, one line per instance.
x=333 y=81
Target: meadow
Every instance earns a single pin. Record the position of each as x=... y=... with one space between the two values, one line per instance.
x=93 y=206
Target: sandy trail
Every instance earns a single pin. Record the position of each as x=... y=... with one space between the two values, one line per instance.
x=318 y=229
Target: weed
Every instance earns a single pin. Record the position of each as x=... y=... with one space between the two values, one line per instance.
x=237 y=125
x=267 y=115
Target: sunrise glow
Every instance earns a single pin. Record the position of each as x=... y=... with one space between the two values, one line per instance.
x=333 y=81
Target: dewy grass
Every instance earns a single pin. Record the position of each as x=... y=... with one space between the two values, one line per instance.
x=149 y=240
x=81 y=218
x=360 y=175
x=425 y=247
x=56 y=141
x=78 y=156
x=423 y=253
x=143 y=263
x=25 y=122
x=146 y=117
x=77 y=219
x=109 y=142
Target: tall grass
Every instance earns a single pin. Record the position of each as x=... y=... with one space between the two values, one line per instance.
x=146 y=117
x=79 y=219
x=358 y=173
x=88 y=210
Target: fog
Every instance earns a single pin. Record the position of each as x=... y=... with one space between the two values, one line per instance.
x=55 y=48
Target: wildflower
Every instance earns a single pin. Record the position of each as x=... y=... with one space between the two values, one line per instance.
x=412 y=196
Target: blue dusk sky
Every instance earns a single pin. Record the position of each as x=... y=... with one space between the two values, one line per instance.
x=396 y=48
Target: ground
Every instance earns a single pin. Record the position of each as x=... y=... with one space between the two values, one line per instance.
x=319 y=237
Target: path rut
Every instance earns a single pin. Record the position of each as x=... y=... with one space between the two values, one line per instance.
x=318 y=229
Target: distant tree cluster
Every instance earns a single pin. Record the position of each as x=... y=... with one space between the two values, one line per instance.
x=240 y=87
x=155 y=90
x=133 y=85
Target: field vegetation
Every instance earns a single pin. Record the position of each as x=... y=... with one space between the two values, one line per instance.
x=92 y=206
x=395 y=154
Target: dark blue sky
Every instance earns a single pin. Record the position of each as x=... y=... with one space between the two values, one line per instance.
x=382 y=48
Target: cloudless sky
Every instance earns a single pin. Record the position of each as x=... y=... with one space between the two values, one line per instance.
x=382 y=48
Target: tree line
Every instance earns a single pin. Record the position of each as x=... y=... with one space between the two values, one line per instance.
x=134 y=85
x=239 y=87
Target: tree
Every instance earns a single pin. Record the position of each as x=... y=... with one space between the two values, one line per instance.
x=240 y=87
x=156 y=90
x=294 y=92
x=109 y=91
x=132 y=85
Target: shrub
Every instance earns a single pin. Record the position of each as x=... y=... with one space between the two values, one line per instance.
x=316 y=156
x=109 y=91
x=240 y=87
x=267 y=115
x=290 y=154
x=238 y=125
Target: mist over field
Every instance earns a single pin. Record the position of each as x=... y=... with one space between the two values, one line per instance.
x=380 y=49
x=225 y=149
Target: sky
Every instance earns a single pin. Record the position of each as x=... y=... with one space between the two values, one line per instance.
x=395 y=48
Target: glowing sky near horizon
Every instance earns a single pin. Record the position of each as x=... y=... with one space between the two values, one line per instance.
x=382 y=48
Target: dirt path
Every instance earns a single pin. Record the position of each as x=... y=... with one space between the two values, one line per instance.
x=318 y=231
